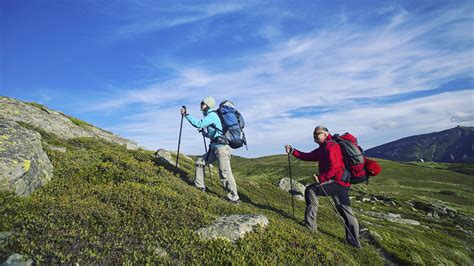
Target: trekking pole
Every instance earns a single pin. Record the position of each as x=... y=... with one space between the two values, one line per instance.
x=291 y=187
x=179 y=139
x=335 y=209
x=205 y=148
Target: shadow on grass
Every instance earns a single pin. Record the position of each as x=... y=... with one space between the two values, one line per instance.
x=182 y=174
x=245 y=198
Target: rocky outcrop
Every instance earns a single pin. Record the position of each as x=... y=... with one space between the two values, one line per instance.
x=376 y=199
x=438 y=210
x=54 y=122
x=391 y=217
x=233 y=227
x=298 y=188
x=24 y=166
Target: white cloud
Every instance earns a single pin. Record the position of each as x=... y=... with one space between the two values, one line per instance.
x=145 y=17
x=323 y=68
x=463 y=116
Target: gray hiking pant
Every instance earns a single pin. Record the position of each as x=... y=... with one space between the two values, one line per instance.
x=222 y=155
x=340 y=195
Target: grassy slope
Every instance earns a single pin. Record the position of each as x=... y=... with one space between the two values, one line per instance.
x=433 y=242
x=108 y=204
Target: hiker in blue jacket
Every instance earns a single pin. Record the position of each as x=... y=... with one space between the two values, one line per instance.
x=211 y=127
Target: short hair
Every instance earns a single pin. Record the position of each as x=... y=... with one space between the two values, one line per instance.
x=323 y=128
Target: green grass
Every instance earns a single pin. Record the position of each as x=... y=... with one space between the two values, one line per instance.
x=463 y=168
x=110 y=205
x=79 y=122
x=37 y=105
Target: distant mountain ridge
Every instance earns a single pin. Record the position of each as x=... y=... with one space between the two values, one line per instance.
x=451 y=145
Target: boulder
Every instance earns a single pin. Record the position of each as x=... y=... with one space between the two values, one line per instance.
x=24 y=166
x=18 y=260
x=233 y=227
x=369 y=234
x=299 y=188
x=163 y=156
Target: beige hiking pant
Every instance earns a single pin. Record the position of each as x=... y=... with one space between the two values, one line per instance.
x=223 y=156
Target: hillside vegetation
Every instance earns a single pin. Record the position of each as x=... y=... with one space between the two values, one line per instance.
x=107 y=204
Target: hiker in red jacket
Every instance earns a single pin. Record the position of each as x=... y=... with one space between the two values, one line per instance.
x=331 y=181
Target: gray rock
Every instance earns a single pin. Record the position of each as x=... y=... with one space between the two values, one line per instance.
x=285 y=184
x=467 y=232
x=374 y=234
x=4 y=236
x=24 y=166
x=364 y=200
x=467 y=221
x=392 y=217
x=233 y=227
x=438 y=210
x=164 y=156
x=54 y=122
x=368 y=234
x=18 y=260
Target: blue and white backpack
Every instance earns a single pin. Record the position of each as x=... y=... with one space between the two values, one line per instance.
x=232 y=124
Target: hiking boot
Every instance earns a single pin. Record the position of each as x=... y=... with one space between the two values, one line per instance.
x=236 y=202
x=312 y=229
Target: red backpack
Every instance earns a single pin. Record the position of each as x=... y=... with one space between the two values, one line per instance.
x=359 y=168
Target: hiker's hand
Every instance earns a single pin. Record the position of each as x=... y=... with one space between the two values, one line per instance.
x=288 y=149
x=183 y=111
x=316 y=178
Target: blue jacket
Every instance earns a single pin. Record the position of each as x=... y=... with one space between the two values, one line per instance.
x=210 y=118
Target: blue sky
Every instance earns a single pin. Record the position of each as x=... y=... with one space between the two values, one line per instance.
x=382 y=70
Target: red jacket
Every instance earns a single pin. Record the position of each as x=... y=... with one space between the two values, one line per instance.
x=331 y=163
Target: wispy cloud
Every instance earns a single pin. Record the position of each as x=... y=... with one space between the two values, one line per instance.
x=334 y=69
x=149 y=16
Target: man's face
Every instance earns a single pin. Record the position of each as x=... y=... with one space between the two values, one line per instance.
x=319 y=135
